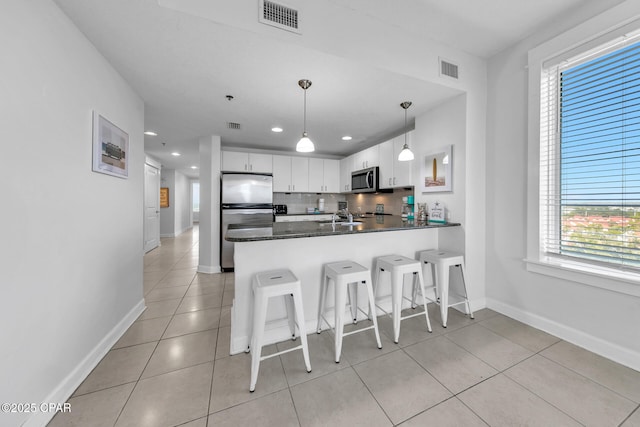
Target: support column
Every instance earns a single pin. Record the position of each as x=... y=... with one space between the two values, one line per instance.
x=209 y=261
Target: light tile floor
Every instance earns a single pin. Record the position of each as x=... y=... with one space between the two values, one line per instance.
x=172 y=367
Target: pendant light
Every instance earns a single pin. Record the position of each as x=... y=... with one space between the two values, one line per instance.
x=305 y=145
x=406 y=154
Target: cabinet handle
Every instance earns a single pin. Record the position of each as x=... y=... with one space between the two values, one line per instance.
x=245 y=166
x=394 y=180
x=293 y=187
x=389 y=181
x=289 y=187
x=250 y=167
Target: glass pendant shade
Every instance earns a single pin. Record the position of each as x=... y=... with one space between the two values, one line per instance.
x=406 y=154
x=305 y=145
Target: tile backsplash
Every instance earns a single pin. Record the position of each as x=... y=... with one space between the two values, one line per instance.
x=367 y=202
x=297 y=203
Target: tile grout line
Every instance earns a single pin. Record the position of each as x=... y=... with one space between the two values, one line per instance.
x=152 y=353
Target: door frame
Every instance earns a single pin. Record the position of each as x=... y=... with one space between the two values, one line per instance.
x=147 y=191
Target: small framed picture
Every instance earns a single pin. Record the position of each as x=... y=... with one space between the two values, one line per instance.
x=436 y=171
x=164 y=197
x=110 y=148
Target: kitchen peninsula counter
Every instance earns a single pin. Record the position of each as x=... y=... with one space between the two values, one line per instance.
x=304 y=247
x=301 y=229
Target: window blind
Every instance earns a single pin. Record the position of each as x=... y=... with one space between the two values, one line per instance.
x=590 y=157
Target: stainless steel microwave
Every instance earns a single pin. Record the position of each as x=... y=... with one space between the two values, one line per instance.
x=365 y=180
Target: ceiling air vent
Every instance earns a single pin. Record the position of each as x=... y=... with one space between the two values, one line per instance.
x=279 y=15
x=449 y=69
x=234 y=126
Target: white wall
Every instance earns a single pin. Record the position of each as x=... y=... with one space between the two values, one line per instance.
x=209 y=240
x=195 y=216
x=71 y=252
x=183 y=216
x=600 y=320
x=438 y=128
x=434 y=131
x=176 y=219
x=167 y=215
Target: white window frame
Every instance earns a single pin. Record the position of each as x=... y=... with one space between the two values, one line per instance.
x=604 y=28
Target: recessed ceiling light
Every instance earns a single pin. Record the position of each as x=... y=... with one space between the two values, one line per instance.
x=276 y=129
x=175 y=153
x=346 y=138
x=150 y=133
x=194 y=167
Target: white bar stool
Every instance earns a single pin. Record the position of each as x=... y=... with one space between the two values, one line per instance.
x=345 y=275
x=442 y=260
x=267 y=285
x=398 y=266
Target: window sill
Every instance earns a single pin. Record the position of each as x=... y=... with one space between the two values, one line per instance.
x=623 y=282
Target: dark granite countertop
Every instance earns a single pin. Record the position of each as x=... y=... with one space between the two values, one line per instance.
x=298 y=229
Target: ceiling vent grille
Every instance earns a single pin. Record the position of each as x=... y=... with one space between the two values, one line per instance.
x=279 y=15
x=449 y=69
x=234 y=126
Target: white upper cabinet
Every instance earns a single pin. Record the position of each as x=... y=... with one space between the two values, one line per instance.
x=402 y=171
x=367 y=158
x=331 y=176
x=281 y=174
x=385 y=178
x=290 y=174
x=346 y=167
x=299 y=174
x=324 y=175
x=235 y=161
x=316 y=175
x=394 y=173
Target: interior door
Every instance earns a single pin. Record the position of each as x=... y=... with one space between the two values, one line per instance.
x=151 y=207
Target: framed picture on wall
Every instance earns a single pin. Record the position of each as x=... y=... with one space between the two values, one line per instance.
x=110 y=148
x=164 y=197
x=435 y=172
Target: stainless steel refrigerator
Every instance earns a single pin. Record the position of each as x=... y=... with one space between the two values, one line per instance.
x=247 y=199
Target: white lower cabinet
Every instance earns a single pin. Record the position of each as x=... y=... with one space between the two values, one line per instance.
x=292 y=218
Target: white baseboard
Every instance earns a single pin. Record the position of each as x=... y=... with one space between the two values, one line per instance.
x=177 y=233
x=69 y=384
x=604 y=348
x=209 y=269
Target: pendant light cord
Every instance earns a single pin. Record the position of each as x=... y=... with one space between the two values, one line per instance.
x=304 y=125
x=405 y=127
